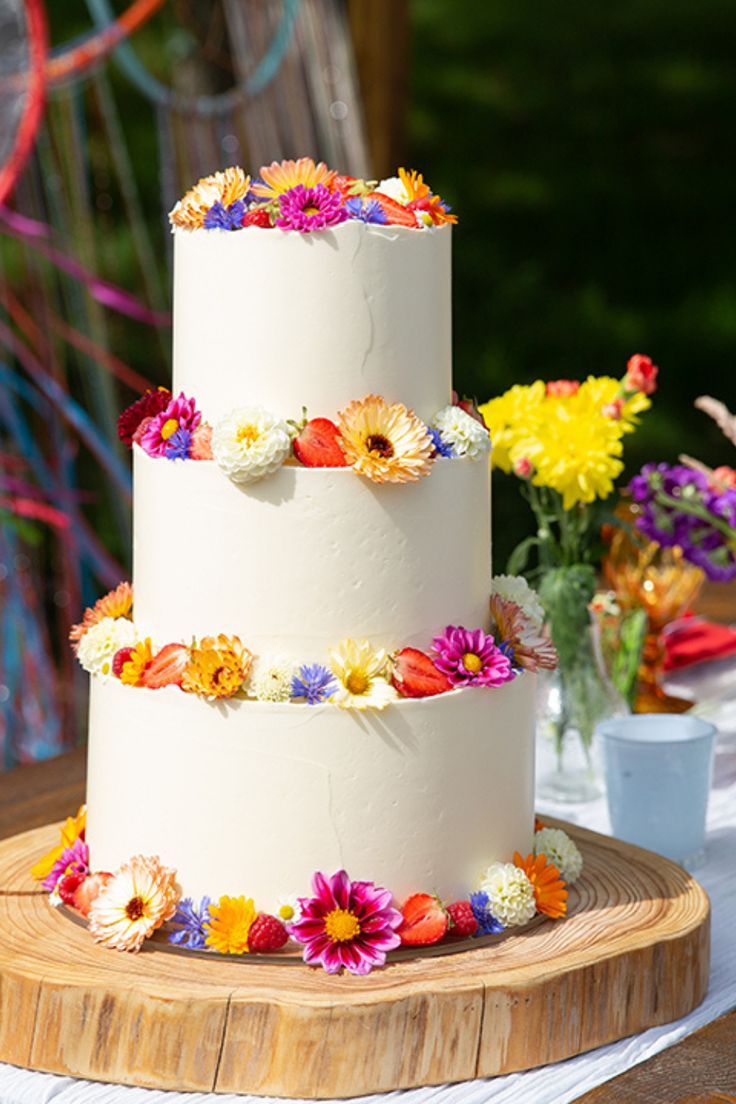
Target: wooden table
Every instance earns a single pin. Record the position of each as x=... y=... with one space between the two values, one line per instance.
x=699 y=1070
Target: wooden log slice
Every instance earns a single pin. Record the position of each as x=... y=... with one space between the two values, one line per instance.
x=633 y=952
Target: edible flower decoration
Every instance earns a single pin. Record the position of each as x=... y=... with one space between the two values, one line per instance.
x=510 y=894
x=279 y=177
x=170 y=432
x=560 y=850
x=229 y=923
x=308 y=209
x=361 y=671
x=188 y=923
x=72 y=829
x=365 y=210
x=525 y=645
x=271 y=679
x=137 y=900
x=346 y=924
x=409 y=190
x=384 y=441
x=97 y=648
x=313 y=683
x=217 y=667
x=117 y=603
x=139 y=413
x=483 y=913
x=550 y=894
x=461 y=433
x=250 y=443
x=222 y=189
x=73 y=859
x=470 y=657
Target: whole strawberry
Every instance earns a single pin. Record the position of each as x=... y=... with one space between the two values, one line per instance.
x=267 y=933
x=463 y=923
x=68 y=886
x=317 y=445
x=425 y=920
x=416 y=676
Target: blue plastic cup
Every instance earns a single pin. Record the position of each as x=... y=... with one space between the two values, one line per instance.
x=658 y=769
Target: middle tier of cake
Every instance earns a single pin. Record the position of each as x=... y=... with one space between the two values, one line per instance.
x=309 y=556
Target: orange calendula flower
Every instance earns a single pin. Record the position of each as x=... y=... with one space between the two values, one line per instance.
x=222 y=187
x=229 y=925
x=133 y=670
x=217 y=667
x=281 y=176
x=422 y=200
x=385 y=442
x=139 y=898
x=118 y=603
x=71 y=830
x=550 y=893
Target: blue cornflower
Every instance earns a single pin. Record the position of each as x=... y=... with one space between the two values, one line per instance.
x=225 y=218
x=190 y=920
x=440 y=447
x=179 y=445
x=314 y=683
x=371 y=211
x=487 y=922
x=507 y=648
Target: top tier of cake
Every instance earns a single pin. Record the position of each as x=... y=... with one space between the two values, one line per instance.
x=286 y=320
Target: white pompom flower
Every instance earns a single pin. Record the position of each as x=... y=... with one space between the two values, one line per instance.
x=510 y=894
x=250 y=443
x=561 y=851
x=393 y=187
x=271 y=678
x=464 y=434
x=99 y=644
x=515 y=588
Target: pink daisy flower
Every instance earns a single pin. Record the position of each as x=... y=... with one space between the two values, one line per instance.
x=307 y=209
x=181 y=413
x=350 y=924
x=74 y=859
x=471 y=658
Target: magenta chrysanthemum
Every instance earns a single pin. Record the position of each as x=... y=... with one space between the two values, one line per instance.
x=307 y=209
x=74 y=859
x=350 y=924
x=470 y=657
x=181 y=413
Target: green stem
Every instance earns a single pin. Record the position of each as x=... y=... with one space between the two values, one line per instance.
x=684 y=506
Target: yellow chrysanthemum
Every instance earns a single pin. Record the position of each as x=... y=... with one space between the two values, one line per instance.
x=218 y=667
x=361 y=673
x=575 y=452
x=513 y=419
x=139 y=898
x=385 y=442
x=132 y=670
x=71 y=830
x=118 y=603
x=229 y=925
x=603 y=394
x=280 y=176
x=223 y=187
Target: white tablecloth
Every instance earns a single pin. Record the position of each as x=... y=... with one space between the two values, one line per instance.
x=565 y=1081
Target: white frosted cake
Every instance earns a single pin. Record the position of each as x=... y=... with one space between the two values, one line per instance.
x=314 y=677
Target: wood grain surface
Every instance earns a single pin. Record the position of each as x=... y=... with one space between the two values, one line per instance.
x=633 y=953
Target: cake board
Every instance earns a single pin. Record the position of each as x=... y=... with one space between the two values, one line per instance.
x=633 y=953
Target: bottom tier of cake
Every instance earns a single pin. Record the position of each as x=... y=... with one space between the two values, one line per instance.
x=252 y=798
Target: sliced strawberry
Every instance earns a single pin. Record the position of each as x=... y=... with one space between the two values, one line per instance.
x=166 y=668
x=416 y=676
x=318 y=445
x=463 y=923
x=343 y=184
x=120 y=658
x=90 y=888
x=396 y=214
x=257 y=216
x=425 y=920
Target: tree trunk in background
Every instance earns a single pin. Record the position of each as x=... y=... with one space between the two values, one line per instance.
x=381 y=40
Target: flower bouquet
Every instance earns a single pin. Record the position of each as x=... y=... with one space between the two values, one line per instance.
x=564 y=441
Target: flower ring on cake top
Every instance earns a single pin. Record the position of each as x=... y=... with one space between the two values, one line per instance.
x=361 y=671
x=308 y=209
x=525 y=644
x=470 y=657
x=366 y=210
x=346 y=924
x=175 y=423
x=409 y=190
x=559 y=849
x=217 y=667
x=510 y=894
x=281 y=176
x=250 y=443
x=550 y=894
x=222 y=188
x=385 y=441
x=139 y=898
x=461 y=432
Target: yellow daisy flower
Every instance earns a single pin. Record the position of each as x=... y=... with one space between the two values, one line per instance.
x=361 y=673
x=280 y=176
x=71 y=830
x=139 y=898
x=385 y=442
x=229 y=925
x=132 y=670
x=218 y=667
x=223 y=187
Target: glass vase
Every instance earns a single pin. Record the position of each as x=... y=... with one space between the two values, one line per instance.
x=577 y=696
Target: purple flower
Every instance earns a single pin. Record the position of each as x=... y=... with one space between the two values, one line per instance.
x=487 y=922
x=471 y=658
x=366 y=210
x=181 y=413
x=189 y=920
x=307 y=209
x=220 y=217
x=350 y=924
x=441 y=447
x=179 y=445
x=314 y=683
x=74 y=859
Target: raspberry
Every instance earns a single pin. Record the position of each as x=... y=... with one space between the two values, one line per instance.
x=120 y=658
x=266 y=933
x=68 y=886
x=462 y=921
